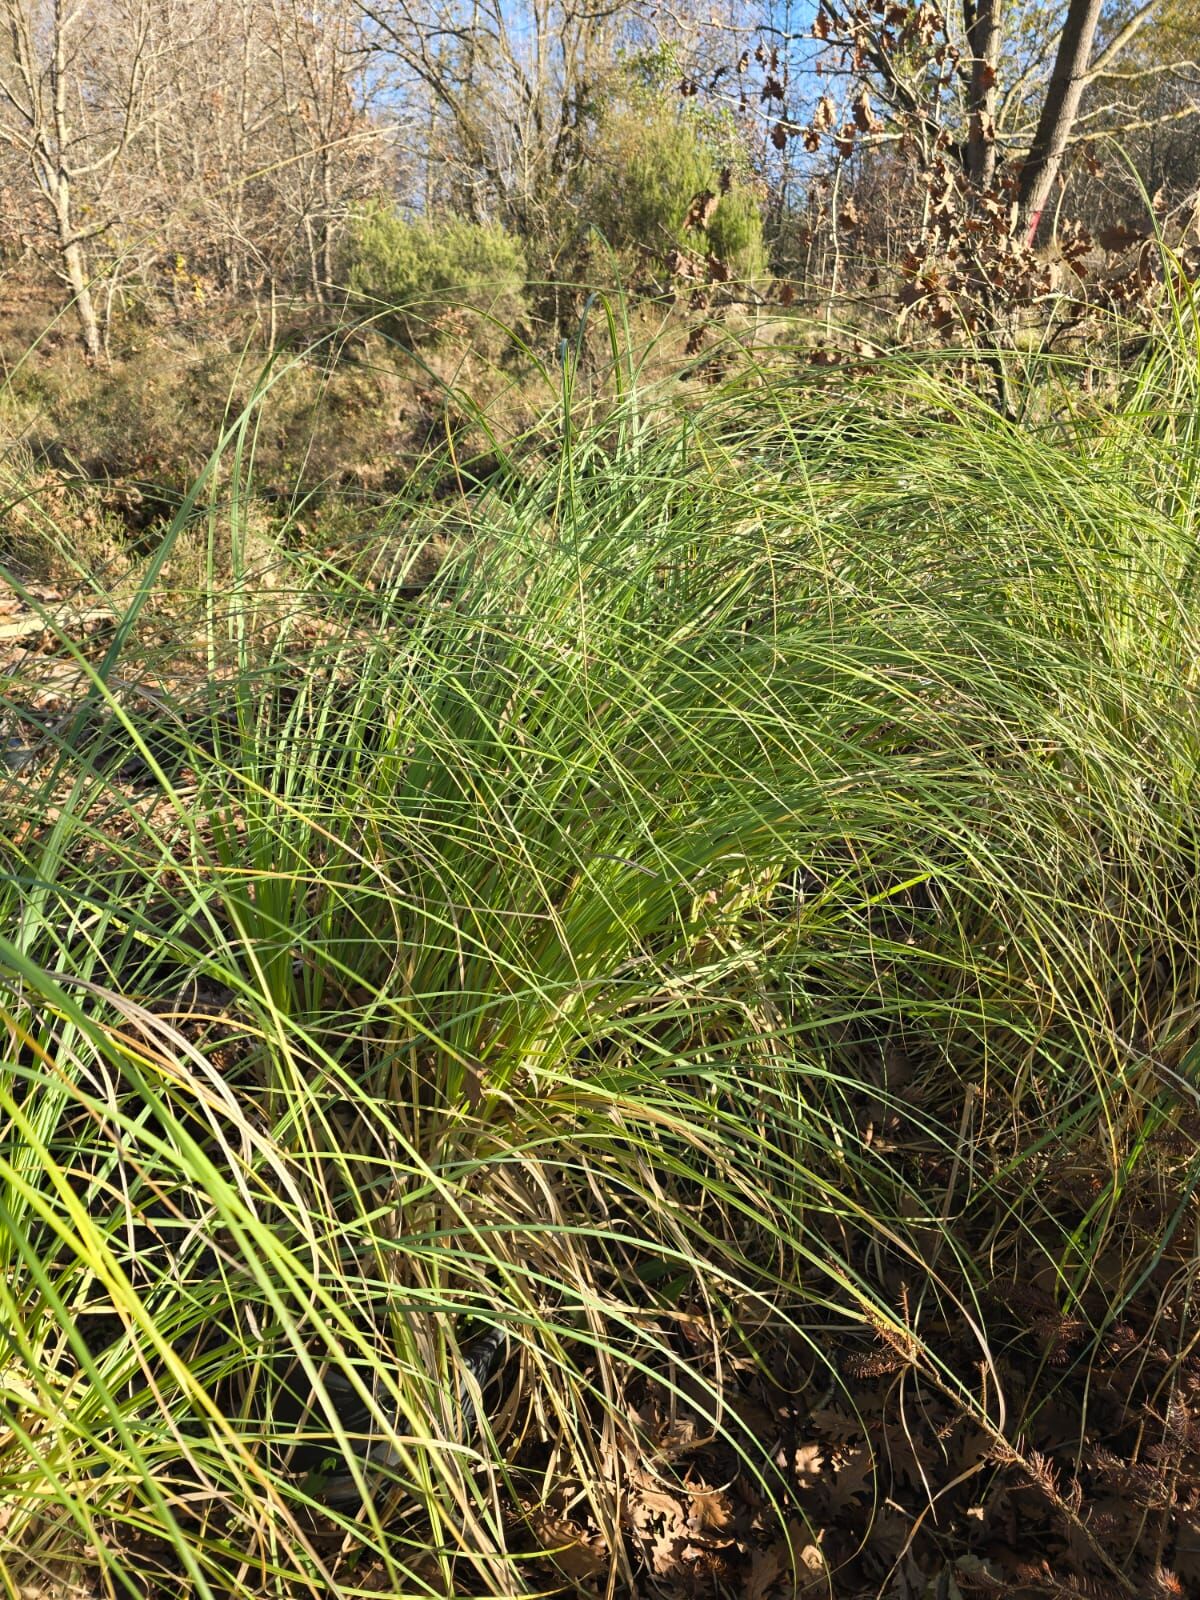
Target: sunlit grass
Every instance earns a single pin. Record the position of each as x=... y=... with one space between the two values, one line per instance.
x=536 y=959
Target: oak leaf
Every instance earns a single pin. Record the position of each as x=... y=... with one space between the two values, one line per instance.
x=701 y=209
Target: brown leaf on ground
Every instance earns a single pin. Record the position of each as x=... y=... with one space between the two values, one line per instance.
x=770 y=1573
x=573 y=1553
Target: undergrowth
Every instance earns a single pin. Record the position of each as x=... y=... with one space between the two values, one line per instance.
x=726 y=948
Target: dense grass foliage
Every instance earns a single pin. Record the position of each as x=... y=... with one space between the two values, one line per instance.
x=738 y=919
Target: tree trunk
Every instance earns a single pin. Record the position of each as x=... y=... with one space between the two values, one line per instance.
x=314 y=261
x=85 y=310
x=75 y=269
x=1059 y=110
x=982 y=18
x=59 y=187
x=327 y=260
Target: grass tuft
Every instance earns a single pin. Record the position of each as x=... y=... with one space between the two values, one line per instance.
x=733 y=925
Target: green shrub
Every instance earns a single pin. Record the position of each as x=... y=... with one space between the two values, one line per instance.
x=649 y=164
x=429 y=276
x=735 y=233
x=644 y=178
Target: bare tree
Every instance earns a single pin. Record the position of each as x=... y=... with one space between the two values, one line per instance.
x=72 y=102
x=981 y=20
x=1150 y=98
x=509 y=89
x=221 y=102
x=262 y=140
x=330 y=141
x=1068 y=80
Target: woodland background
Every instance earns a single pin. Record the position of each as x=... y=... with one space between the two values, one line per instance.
x=188 y=174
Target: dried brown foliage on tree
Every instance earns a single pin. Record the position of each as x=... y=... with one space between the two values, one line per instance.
x=937 y=140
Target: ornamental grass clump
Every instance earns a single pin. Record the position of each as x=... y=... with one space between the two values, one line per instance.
x=656 y=1062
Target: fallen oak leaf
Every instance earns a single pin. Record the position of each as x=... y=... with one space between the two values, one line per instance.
x=574 y=1554
x=768 y=1570
x=809 y=1465
x=709 y=1511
